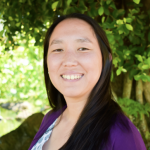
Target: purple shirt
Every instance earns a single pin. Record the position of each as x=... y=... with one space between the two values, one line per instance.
x=119 y=140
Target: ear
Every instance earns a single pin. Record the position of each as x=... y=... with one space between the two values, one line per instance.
x=110 y=57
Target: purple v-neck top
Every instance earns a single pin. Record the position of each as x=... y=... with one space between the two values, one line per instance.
x=119 y=139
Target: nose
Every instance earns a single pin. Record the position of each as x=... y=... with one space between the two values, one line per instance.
x=70 y=60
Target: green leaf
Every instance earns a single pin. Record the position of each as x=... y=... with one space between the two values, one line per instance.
x=68 y=2
x=122 y=28
x=10 y=18
x=103 y=19
x=117 y=13
x=54 y=5
x=145 y=67
x=108 y=2
x=134 y=11
x=129 y=20
x=124 y=70
x=147 y=61
x=120 y=31
x=118 y=72
x=137 y=77
x=100 y=11
x=115 y=61
x=111 y=38
x=82 y=7
x=129 y=27
x=136 y=1
x=119 y=21
x=124 y=19
x=139 y=57
x=133 y=72
x=29 y=2
x=106 y=11
x=113 y=6
x=18 y=24
x=145 y=78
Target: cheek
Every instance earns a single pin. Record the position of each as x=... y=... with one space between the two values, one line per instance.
x=52 y=63
x=93 y=63
x=95 y=68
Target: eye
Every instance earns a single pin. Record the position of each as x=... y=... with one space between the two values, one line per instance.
x=83 y=49
x=57 y=50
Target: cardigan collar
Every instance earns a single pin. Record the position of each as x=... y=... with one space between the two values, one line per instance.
x=48 y=119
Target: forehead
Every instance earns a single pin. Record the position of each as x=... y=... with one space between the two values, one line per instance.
x=73 y=27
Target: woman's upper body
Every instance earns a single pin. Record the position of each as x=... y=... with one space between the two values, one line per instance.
x=120 y=138
x=77 y=69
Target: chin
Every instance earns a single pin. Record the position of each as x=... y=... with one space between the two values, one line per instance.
x=72 y=94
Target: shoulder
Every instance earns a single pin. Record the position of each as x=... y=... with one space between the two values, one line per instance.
x=125 y=136
x=41 y=130
x=46 y=117
x=46 y=122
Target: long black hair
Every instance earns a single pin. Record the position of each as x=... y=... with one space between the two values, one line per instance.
x=92 y=129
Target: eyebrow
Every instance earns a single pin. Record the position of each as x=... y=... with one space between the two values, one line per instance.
x=56 y=42
x=81 y=40
x=84 y=40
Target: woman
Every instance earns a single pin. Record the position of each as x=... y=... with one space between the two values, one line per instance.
x=77 y=69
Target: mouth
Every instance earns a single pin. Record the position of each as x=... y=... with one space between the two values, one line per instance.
x=72 y=77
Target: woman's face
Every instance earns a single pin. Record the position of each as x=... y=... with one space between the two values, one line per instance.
x=74 y=58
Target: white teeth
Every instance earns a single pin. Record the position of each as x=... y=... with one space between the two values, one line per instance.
x=71 y=77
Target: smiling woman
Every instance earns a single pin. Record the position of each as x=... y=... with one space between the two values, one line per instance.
x=77 y=69
x=77 y=56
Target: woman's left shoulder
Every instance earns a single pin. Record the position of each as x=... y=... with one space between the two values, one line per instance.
x=125 y=136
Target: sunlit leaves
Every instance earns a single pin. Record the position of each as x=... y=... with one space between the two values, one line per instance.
x=103 y=19
x=136 y=1
x=82 y=6
x=54 y=5
x=139 y=57
x=22 y=74
x=69 y=2
x=129 y=27
x=134 y=108
x=101 y=11
x=128 y=20
x=119 y=21
x=120 y=69
x=108 y=2
x=125 y=29
x=142 y=77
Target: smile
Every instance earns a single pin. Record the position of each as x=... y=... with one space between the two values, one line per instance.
x=72 y=77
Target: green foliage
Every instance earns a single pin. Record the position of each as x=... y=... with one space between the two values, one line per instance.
x=101 y=11
x=134 y=108
x=54 y=5
x=125 y=28
x=22 y=75
x=137 y=1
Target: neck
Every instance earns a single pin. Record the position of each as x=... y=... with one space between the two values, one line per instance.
x=73 y=110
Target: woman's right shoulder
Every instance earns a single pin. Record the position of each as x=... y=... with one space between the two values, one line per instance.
x=47 y=116
x=51 y=116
